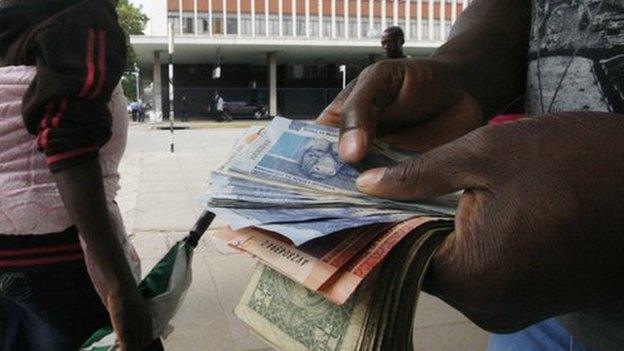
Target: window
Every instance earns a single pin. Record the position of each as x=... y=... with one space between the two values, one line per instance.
x=353 y=29
x=364 y=28
x=260 y=26
x=188 y=25
x=340 y=29
x=274 y=26
x=301 y=26
x=327 y=31
x=232 y=26
x=314 y=27
x=425 y=29
x=246 y=26
x=217 y=26
x=205 y=28
x=287 y=25
x=414 y=29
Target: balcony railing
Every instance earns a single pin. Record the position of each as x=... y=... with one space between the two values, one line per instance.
x=421 y=20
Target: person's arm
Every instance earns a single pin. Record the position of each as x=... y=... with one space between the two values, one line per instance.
x=80 y=57
x=82 y=191
x=539 y=229
x=423 y=103
x=489 y=44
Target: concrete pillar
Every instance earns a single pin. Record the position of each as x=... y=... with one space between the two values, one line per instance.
x=157 y=103
x=272 y=82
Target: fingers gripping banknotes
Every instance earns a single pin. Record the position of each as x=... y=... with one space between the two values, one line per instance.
x=288 y=178
x=306 y=154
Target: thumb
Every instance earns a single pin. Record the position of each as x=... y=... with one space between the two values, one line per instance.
x=452 y=167
x=376 y=87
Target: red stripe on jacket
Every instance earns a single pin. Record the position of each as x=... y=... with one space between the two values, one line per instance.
x=40 y=261
x=69 y=154
x=101 y=64
x=88 y=83
x=39 y=250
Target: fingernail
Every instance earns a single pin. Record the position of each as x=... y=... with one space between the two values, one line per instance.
x=370 y=178
x=349 y=144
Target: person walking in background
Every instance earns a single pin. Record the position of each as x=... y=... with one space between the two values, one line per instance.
x=392 y=42
x=141 y=112
x=220 y=108
x=135 y=107
x=184 y=109
x=62 y=239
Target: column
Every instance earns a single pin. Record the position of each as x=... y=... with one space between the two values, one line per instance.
x=307 y=18
x=180 y=17
x=210 y=17
x=333 y=18
x=280 y=16
x=346 y=17
x=224 y=4
x=408 y=22
x=358 y=10
x=320 y=18
x=238 y=18
x=395 y=13
x=383 y=15
x=430 y=19
x=371 y=15
x=293 y=5
x=453 y=11
x=195 y=26
x=442 y=19
x=253 y=18
x=419 y=19
x=272 y=83
x=157 y=81
x=266 y=18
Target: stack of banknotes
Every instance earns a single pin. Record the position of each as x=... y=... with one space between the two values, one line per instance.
x=339 y=270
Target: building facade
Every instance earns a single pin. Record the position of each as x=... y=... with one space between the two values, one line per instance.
x=285 y=54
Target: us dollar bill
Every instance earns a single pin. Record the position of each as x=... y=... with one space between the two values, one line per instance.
x=290 y=317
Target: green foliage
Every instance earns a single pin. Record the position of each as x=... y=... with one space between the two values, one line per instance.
x=132 y=20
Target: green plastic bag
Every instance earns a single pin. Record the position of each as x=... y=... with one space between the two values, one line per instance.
x=163 y=288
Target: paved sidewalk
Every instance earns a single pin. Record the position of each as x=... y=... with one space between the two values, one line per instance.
x=161 y=197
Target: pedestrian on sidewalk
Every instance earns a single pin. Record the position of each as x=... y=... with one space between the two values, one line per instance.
x=66 y=266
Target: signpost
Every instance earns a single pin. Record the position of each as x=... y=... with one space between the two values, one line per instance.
x=171 y=95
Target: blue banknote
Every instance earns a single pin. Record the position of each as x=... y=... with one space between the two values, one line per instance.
x=306 y=155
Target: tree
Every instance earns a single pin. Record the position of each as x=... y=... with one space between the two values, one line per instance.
x=132 y=20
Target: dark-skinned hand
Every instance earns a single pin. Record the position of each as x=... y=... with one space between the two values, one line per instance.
x=130 y=319
x=539 y=230
x=412 y=103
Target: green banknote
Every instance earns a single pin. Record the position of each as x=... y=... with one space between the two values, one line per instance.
x=290 y=317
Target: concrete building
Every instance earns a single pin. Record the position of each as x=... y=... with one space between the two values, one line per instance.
x=283 y=54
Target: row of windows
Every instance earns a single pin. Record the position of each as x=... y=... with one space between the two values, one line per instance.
x=287 y=27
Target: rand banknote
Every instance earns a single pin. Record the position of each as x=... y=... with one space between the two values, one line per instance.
x=335 y=265
x=302 y=232
x=345 y=282
x=303 y=156
x=311 y=264
x=306 y=154
x=239 y=218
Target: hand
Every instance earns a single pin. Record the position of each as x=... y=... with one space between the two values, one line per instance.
x=412 y=103
x=131 y=320
x=538 y=231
